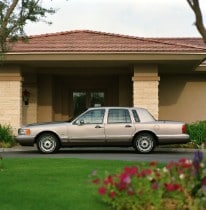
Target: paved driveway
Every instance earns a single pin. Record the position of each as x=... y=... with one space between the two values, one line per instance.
x=128 y=154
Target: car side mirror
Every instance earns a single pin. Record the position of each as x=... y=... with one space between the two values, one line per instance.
x=81 y=122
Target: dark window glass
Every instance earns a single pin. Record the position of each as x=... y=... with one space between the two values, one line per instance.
x=83 y=100
x=97 y=99
x=79 y=102
x=136 y=117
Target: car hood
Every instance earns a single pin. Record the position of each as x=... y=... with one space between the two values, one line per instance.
x=45 y=124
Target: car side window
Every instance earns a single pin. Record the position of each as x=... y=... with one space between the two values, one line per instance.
x=92 y=117
x=118 y=116
x=136 y=117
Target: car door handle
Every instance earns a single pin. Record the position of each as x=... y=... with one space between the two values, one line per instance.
x=98 y=126
x=128 y=126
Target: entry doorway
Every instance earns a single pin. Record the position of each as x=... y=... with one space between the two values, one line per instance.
x=72 y=95
x=85 y=99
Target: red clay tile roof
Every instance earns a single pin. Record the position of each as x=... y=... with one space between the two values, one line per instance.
x=91 y=41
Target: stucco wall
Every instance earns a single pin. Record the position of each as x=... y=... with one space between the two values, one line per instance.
x=29 y=112
x=182 y=97
x=45 y=98
x=125 y=91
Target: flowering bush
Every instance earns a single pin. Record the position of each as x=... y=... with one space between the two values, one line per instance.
x=178 y=185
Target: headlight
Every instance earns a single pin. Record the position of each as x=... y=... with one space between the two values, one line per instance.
x=24 y=131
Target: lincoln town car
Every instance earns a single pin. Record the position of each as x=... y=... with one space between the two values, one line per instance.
x=105 y=126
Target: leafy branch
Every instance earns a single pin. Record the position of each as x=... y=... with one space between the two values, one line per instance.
x=15 y=14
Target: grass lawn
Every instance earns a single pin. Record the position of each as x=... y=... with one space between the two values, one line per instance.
x=52 y=183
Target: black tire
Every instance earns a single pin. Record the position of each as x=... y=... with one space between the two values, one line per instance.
x=144 y=143
x=48 y=143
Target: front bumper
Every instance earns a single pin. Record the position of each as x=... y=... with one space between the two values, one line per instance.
x=25 y=140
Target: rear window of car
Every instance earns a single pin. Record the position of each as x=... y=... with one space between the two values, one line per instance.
x=136 y=117
x=119 y=116
x=145 y=116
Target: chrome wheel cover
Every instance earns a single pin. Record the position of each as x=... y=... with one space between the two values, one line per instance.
x=145 y=143
x=47 y=144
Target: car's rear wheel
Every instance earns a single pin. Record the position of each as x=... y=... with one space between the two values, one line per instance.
x=48 y=143
x=144 y=143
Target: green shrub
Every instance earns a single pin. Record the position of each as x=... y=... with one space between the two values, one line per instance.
x=197 y=132
x=6 y=136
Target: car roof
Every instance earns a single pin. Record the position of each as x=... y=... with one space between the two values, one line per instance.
x=116 y=107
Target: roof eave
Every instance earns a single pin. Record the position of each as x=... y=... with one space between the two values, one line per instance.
x=105 y=56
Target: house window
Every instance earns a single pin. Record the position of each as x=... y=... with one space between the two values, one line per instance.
x=79 y=102
x=97 y=99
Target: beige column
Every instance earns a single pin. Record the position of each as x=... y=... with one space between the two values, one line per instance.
x=145 y=88
x=10 y=97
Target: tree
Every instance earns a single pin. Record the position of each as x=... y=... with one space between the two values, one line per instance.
x=195 y=6
x=15 y=14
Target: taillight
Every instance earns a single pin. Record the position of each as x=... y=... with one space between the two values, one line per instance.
x=184 y=129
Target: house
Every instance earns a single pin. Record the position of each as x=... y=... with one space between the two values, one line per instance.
x=53 y=77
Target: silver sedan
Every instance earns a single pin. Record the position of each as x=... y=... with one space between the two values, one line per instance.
x=105 y=126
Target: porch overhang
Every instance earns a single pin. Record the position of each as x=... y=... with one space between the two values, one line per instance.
x=96 y=56
x=171 y=62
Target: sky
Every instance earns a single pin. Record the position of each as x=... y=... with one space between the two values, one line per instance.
x=142 y=18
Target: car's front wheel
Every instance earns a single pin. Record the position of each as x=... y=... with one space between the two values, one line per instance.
x=144 y=143
x=48 y=143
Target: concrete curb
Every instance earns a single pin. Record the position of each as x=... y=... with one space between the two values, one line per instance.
x=17 y=149
x=163 y=149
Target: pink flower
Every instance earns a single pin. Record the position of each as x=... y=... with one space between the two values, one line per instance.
x=102 y=191
x=121 y=186
x=185 y=163
x=153 y=163
x=130 y=170
x=172 y=187
x=127 y=180
x=171 y=165
x=204 y=181
x=157 y=174
x=108 y=180
x=95 y=181
x=154 y=184
x=112 y=194
x=146 y=172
